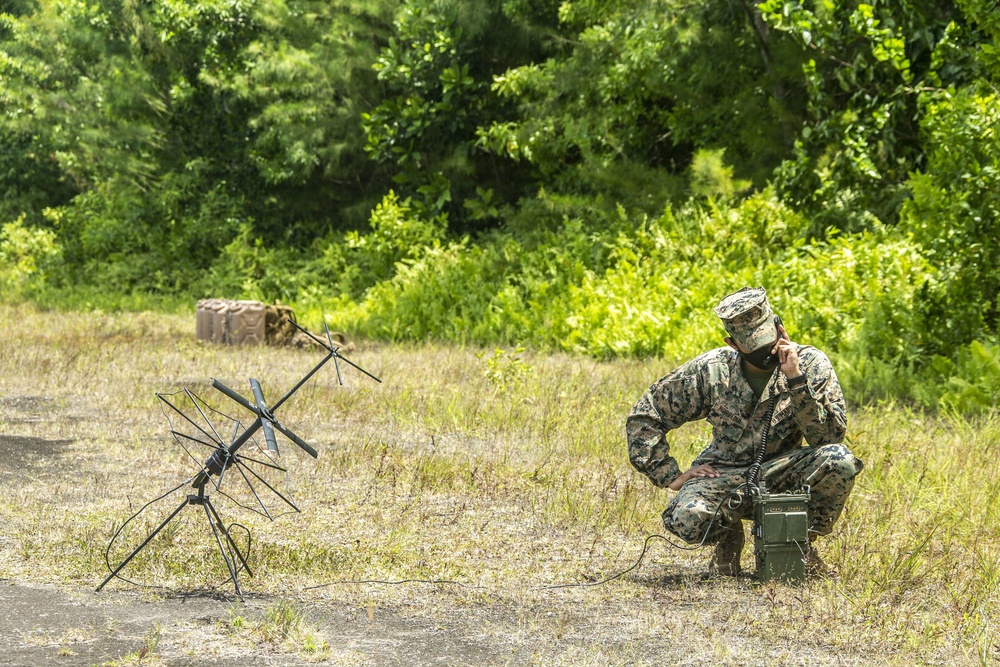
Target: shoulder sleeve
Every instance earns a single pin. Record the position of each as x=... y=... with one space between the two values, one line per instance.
x=679 y=397
x=820 y=409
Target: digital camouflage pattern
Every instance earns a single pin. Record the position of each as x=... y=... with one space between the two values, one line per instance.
x=828 y=470
x=713 y=387
x=748 y=317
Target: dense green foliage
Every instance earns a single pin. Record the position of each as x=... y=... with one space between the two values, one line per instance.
x=588 y=175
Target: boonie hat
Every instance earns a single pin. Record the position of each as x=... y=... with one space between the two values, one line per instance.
x=748 y=318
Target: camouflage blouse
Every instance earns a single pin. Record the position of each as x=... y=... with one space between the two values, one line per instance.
x=712 y=387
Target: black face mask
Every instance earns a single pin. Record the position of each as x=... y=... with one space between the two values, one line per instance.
x=761 y=357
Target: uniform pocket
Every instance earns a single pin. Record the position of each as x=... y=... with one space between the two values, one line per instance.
x=784 y=429
x=728 y=423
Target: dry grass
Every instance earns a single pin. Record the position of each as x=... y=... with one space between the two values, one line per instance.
x=503 y=472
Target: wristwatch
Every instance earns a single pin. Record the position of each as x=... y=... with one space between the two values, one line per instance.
x=797 y=380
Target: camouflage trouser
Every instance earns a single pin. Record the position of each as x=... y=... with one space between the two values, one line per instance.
x=829 y=471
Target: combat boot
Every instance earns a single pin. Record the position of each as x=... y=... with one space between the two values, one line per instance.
x=726 y=561
x=816 y=566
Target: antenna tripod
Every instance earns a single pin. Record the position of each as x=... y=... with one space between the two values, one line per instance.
x=225 y=457
x=215 y=522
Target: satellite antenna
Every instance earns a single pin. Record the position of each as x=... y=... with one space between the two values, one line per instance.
x=226 y=457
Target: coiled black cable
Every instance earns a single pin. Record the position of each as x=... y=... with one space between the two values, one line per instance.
x=753 y=472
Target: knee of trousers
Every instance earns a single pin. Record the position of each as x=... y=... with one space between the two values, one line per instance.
x=839 y=461
x=691 y=520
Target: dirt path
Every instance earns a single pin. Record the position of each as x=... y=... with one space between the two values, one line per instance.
x=46 y=626
x=43 y=624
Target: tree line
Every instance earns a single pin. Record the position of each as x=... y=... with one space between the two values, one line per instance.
x=512 y=171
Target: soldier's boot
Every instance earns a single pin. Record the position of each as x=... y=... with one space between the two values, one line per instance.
x=726 y=560
x=816 y=566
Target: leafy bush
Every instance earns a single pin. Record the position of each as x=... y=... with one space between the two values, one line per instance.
x=619 y=286
x=607 y=284
x=126 y=239
x=172 y=150
x=970 y=383
x=23 y=252
x=349 y=263
x=955 y=216
x=505 y=370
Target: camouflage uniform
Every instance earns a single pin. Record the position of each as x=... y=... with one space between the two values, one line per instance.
x=713 y=387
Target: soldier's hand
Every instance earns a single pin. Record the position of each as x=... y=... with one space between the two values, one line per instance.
x=704 y=470
x=788 y=354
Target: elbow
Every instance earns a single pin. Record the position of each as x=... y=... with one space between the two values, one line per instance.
x=839 y=427
x=834 y=434
x=638 y=456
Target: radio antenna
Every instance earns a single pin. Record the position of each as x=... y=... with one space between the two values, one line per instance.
x=226 y=455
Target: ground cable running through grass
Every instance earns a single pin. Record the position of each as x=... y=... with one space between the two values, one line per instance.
x=636 y=564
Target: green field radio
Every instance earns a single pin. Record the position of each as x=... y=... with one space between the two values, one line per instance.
x=780 y=535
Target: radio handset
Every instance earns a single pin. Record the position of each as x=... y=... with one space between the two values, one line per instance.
x=770 y=358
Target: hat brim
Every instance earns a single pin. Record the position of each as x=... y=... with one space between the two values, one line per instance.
x=764 y=335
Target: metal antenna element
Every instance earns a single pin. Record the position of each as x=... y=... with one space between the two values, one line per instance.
x=226 y=456
x=333 y=353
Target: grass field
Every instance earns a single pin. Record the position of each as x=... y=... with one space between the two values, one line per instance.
x=501 y=471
